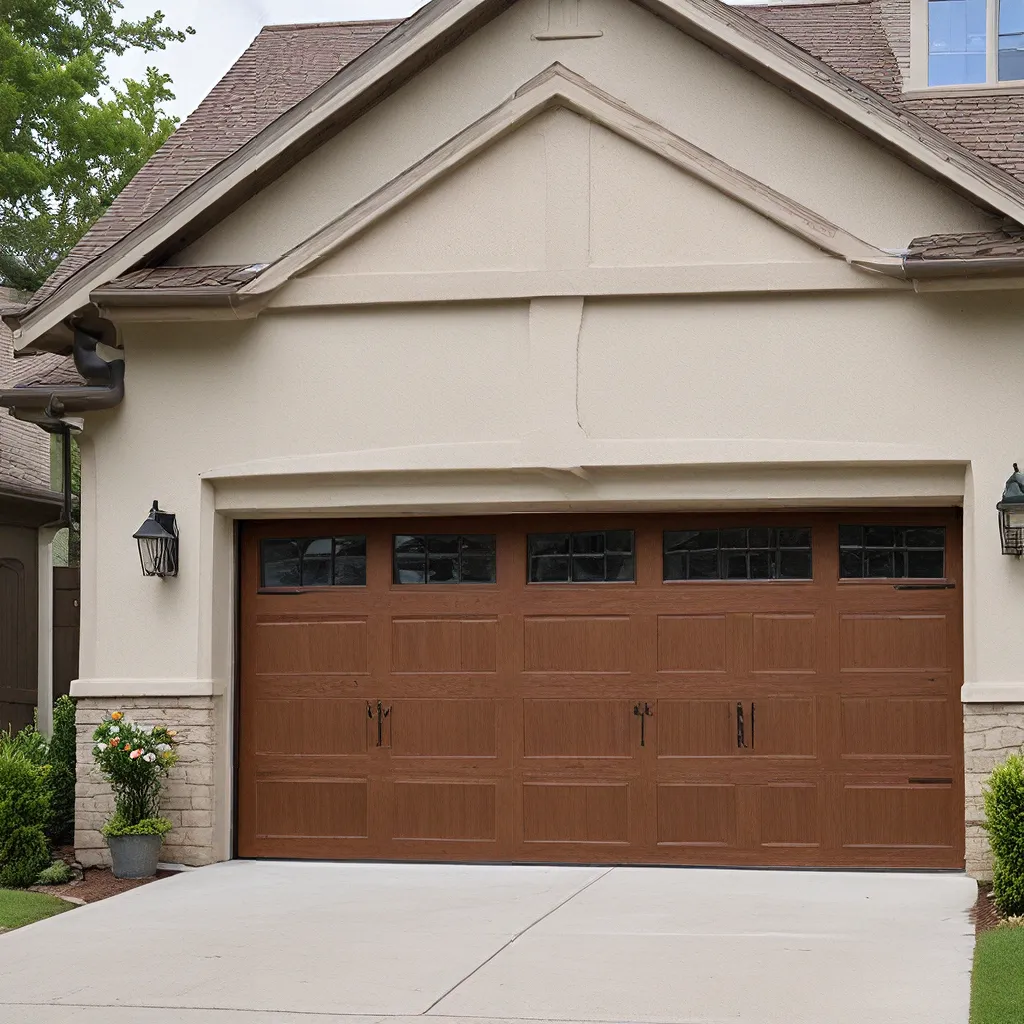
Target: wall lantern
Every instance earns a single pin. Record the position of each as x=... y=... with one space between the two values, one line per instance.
x=158 y=543
x=1011 y=514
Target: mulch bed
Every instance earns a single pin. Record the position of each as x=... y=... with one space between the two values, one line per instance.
x=96 y=884
x=985 y=914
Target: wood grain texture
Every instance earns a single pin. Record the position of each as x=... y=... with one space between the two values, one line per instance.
x=806 y=723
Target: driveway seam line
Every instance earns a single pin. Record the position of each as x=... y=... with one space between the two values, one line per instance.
x=518 y=935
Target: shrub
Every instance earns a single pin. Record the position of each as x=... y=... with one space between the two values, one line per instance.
x=134 y=759
x=58 y=873
x=62 y=772
x=1004 y=812
x=117 y=826
x=32 y=744
x=24 y=815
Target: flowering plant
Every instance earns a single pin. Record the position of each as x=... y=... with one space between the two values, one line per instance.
x=134 y=759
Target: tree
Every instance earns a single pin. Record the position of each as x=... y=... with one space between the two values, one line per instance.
x=69 y=139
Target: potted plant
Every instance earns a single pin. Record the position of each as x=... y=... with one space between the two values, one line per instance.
x=134 y=759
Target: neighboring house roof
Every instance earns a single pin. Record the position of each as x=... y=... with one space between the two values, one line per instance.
x=288 y=81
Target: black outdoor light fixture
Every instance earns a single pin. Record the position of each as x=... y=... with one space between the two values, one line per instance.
x=1011 y=514
x=158 y=543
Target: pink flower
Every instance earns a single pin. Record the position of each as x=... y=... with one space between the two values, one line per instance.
x=134 y=754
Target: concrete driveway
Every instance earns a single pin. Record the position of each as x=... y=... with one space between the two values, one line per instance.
x=276 y=943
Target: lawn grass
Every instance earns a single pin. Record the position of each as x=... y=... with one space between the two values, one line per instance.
x=19 y=908
x=997 y=985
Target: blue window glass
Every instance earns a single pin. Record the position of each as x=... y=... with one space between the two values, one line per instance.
x=1011 y=40
x=956 y=41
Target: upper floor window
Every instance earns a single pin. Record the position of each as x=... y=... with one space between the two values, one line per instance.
x=975 y=42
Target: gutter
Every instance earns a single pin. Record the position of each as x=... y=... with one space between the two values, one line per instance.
x=910 y=268
x=47 y=406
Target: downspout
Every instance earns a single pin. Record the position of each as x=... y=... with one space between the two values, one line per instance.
x=104 y=388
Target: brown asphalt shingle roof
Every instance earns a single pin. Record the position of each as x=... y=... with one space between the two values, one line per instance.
x=971 y=245
x=284 y=64
x=865 y=40
x=185 y=277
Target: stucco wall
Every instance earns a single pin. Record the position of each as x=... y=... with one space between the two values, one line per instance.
x=766 y=374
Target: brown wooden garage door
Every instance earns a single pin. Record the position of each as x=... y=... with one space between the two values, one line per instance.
x=672 y=692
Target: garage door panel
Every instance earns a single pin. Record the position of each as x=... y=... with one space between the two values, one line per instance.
x=444 y=811
x=304 y=648
x=790 y=815
x=783 y=727
x=444 y=645
x=576 y=812
x=597 y=644
x=318 y=726
x=692 y=643
x=893 y=642
x=312 y=808
x=784 y=643
x=512 y=729
x=696 y=815
x=562 y=728
x=897 y=814
x=444 y=728
x=697 y=728
x=896 y=727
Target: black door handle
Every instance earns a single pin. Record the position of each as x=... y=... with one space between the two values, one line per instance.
x=740 y=740
x=382 y=713
x=643 y=713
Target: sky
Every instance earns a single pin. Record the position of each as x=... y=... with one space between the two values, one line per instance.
x=224 y=28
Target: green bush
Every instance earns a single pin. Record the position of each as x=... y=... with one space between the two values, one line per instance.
x=24 y=815
x=58 y=873
x=1004 y=812
x=34 y=745
x=119 y=826
x=62 y=772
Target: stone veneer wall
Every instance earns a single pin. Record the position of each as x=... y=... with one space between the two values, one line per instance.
x=991 y=733
x=187 y=798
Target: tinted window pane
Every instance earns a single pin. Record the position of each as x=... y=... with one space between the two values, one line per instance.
x=549 y=569
x=927 y=565
x=591 y=556
x=317 y=563
x=956 y=42
x=892 y=552
x=703 y=566
x=795 y=565
x=282 y=563
x=349 y=546
x=445 y=558
x=350 y=572
x=478 y=569
x=748 y=553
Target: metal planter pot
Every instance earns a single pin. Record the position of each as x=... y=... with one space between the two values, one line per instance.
x=134 y=856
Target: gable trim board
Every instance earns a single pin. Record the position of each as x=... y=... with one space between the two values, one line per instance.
x=440 y=25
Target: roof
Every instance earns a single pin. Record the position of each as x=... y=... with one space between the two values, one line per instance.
x=284 y=64
x=45 y=370
x=869 y=41
x=167 y=278
x=972 y=245
x=863 y=41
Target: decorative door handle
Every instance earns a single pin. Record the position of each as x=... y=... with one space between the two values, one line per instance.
x=740 y=741
x=382 y=713
x=643 y=713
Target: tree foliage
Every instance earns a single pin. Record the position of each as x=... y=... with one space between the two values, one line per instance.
x=70 y=140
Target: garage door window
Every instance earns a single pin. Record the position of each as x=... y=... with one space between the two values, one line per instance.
x=604 y=556
x=313 y=562
x=743 y=553
x=892 y=552
x=445 y=558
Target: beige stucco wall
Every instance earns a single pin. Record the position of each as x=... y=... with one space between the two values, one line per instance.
x=766 y=374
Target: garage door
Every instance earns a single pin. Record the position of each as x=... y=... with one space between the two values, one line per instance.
x=748 y=689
